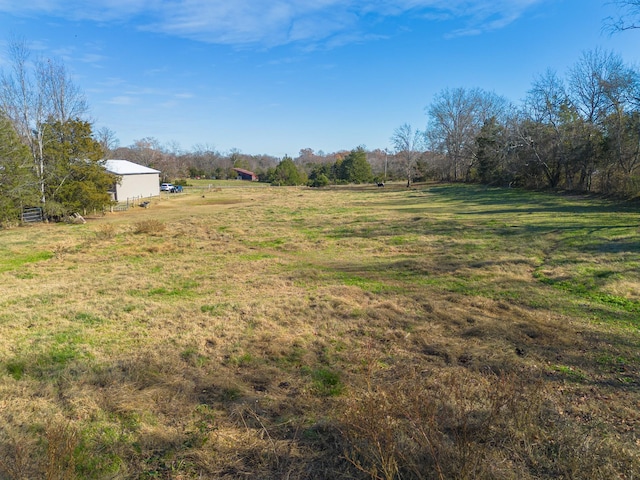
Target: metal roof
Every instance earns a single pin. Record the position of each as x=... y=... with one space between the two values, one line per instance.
x=125 y=167
x=246 y=172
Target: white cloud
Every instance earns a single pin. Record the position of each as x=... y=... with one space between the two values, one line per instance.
x=482 y=16
x=111 y=82
x=121 y=100
x=93 y=58
x=141 y=91
x=269 y=23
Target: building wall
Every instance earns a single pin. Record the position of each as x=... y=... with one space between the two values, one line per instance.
x=246 y=176
x=135 y=186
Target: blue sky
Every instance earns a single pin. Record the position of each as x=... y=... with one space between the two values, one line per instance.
x=277 y=76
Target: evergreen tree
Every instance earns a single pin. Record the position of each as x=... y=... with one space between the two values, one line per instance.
x=488 y=153
x=287 y=173
x=75 y=180
x=355 y=168
x=319 y=176
x=18 y=182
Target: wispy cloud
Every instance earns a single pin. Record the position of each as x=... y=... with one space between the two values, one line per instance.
x=111 y=82
x=480 y=17
x=93 y=58
x=121 y=100
x=134 y=95
x=276 y=22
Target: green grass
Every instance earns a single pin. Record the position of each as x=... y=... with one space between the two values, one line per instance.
x=10 y=261
x=326 y=382
x=16 y=368
x=215 y=309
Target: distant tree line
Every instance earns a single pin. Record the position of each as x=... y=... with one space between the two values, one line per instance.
x=308 y=168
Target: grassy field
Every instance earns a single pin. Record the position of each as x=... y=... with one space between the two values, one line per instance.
x=441 y=332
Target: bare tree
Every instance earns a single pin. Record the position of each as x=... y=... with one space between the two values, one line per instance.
x=623 y=126
x=151 y=153
x=542 y=129
x=456 y=117
x=628 y=19
x=148 y=151
x=604 y=90
x=107 y=140
x=409 y=146
x=546 y=99
x=599 y=82
x=23 y=103
x=65 y=100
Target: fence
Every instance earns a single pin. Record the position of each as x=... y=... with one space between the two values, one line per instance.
x=121 y=207
x=130 y=203
x=32 y=215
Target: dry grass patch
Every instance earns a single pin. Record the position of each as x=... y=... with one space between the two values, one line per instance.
x=447 y=424
x=150 y=226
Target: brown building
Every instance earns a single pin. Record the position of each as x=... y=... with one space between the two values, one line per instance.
x=246 y=175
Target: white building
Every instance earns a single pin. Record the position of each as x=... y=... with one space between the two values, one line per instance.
x=136 y=181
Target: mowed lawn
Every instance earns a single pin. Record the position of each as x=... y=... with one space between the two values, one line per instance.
x=442 y=331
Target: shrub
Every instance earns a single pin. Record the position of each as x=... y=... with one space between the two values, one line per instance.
x=320 y=181
x=106 y=232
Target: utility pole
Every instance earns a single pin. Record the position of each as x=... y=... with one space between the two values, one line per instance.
x=385 y=165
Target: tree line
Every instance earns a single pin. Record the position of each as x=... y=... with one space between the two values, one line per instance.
x=579 y=132
x=307 y=168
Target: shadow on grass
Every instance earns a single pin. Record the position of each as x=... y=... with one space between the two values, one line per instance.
x=156 y=415
x=543 y=201
x=605 y=360
x=529 y=315
x=471 y=198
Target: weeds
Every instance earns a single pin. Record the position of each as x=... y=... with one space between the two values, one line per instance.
x=149 y=227
x=61 y=440
x=16 y=456
x=455 y=424
x=106 y=231
x=50 y=458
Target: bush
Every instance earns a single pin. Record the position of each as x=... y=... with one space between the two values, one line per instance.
x=320 y=181
x=106 y=232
